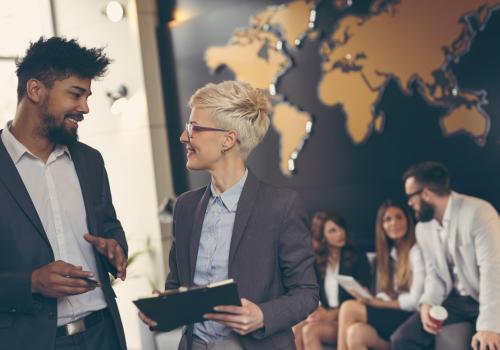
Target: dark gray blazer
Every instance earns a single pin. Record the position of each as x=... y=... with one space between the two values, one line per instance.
x=28 y=321
x=270 y=257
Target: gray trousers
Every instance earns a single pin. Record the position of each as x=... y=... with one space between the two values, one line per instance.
x=411 y=334
x=232 y=343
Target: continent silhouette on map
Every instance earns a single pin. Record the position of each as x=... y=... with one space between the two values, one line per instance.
x=294 y=127
x=410 y=42
x=258 y=55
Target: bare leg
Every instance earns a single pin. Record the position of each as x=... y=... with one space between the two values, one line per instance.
x=315 y=333
x=362 y=336
x=297 y=332
x=351 y=312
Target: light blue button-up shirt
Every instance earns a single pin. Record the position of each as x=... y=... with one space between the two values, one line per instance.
x=213 y=252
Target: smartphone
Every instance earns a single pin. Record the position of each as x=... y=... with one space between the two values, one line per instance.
x=90 y=281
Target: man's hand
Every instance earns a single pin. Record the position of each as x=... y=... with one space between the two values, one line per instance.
x=483 y=339
x=428 y=325
x=59 y=279
x=112 y=250
x=241 y=319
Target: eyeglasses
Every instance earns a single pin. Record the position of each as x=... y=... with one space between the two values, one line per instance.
x=194 y=127
x=411 y=195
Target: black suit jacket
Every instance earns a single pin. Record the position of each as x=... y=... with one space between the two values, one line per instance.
x=28 y=321
x=352 y=263
x=270 y=257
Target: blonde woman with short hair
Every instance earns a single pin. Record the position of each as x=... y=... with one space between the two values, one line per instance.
x=239 y=227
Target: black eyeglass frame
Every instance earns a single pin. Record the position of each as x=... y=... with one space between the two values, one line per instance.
x=195 y=127
x=417 y=192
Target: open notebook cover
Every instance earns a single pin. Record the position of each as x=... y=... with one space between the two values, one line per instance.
x=183 y=306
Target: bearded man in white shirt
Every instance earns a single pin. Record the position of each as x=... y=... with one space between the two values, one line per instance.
x=59 y=235
x=460 y=238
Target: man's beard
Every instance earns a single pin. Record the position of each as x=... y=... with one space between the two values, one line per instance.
x=426 y=212
x=58 y=134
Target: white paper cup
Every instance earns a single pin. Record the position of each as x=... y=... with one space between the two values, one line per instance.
x=438 y=315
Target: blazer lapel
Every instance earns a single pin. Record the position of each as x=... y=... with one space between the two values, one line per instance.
x=194 y=238
x=14 y=184
x=81 y=169
x=342 y=266
x=81 y=173
x=245 y=205
x=464 y=274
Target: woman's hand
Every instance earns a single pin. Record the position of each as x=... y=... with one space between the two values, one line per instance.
x=322 y=314
x=375 y=302
x=317 y=315
x=150 y=322
x=147 y=320
x=359 y=298
x=242 y=319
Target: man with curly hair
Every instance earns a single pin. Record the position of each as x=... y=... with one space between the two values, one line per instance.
x=59 y=235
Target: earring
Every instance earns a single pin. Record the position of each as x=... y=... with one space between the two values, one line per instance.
x=223 y=151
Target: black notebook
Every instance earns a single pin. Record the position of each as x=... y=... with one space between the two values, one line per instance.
x=183 y=306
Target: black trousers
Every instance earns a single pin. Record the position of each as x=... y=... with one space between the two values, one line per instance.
x=411 y=334
x=101 y=336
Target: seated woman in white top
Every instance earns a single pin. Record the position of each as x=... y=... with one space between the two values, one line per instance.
x=369 y=323
x=335 y=255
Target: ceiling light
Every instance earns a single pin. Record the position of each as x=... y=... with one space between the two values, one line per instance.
x=115 y=11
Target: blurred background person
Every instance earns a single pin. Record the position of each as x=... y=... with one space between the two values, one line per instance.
x=400 y=273
x=334 y=256
x=460 y=239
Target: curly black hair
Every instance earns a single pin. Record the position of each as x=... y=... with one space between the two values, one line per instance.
x=56 y=59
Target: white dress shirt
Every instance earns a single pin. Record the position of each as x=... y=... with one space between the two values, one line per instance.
x=409 y=301
x=332 y=285
x=56 y=194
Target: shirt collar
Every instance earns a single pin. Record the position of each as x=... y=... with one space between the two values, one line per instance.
x=232 y=195
x=59 y=150
x=394 y=253
x=17 y=150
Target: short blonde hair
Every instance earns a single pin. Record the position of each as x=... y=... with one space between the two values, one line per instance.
x=236 y=106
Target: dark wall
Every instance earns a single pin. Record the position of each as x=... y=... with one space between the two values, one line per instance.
x=333 y=173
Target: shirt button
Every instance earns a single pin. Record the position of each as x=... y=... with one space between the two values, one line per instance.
x=13 y=310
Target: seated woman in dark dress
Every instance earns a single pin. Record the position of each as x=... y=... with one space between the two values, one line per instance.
x=369 y=323
x=333 y=257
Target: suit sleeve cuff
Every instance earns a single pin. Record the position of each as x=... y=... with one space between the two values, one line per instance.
x=269 y=322
x=17 y=295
